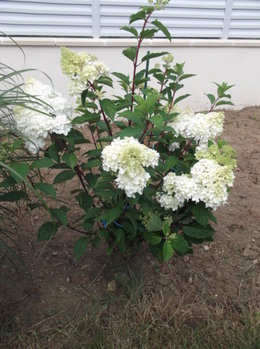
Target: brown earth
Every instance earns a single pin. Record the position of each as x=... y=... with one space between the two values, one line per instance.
x=54 y=287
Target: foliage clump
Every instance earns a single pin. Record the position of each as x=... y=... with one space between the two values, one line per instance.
x=151 y=172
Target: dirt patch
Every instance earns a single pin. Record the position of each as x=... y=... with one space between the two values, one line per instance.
x=53 y=287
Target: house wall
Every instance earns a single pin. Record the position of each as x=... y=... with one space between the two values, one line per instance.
x=234 y=61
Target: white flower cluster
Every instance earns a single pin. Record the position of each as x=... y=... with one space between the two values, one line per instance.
x=173 y=146
x=127 y=158
x=80 y=68
x=159 y=4
x=208 y=182
x=200 y=127
x=47 y=113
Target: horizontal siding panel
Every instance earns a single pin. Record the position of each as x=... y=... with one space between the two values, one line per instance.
x=44 y=8
x=27 y=20
x=46 y=17
x=178 y=33
x=124 y=11
x=245 y=24
x=76 y=2
x=174 y=3
x=246 y=4
x=244 y=33
x=245 y=14
x=47 y=30
x=183 y=18
x=168 y=22
x=245 y=19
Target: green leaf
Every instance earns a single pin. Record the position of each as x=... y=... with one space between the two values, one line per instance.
x=13 y=196
x=224 y=103
x=41 y=163
x=110 y=215
x=157 y=120
x=137 y=118
x=137 y=16
x=211 y=98
x=46 y=189
x=92 y=163
x=105 y=80
x=84 y=96
x=85 y=201
x=47 y=231
x=60 y=215
x=130 y=53
x=64 y=176
x=186 y=76
x=22 y=169
x=153 y=55
x=131 y=30
x=166 y=229
x=131 y=132
x=152 y=238
x=122 y=77
x=80 y=247
x=53 y=153
x=200 y=212
x=177 y=100
x=7 y=183
x=162 y=27
x=92 y=212
x=198 y=231
x=148 y=33
x=167 y=251
x=179 y=244
x=70 y=159
x=86 y=117
x=155 y=224
x=109 y=107
x=76 y=137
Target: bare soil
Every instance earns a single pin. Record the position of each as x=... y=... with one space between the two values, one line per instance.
x=54 y=287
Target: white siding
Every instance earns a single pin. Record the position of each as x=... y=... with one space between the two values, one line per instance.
x=183 y=18
x=103 y=18
x=245 y=19
x=46 y=17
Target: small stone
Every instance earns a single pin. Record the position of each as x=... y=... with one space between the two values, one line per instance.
x=111 y=287
x=253 y=240
x=68 y=279
x=206 y=247
x=86 y=266
x=186 y=258
x=55 y=253
x=190 y=280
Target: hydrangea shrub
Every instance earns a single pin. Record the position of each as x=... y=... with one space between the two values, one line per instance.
x=148 y=171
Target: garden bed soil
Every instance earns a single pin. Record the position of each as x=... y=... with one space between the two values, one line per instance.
x=54 y=287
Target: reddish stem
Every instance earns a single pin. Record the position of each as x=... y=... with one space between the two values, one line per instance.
x=185 y=148
x=102 y=111
x=145 y=130
x=135 y=63
x=81 y=176
x=213 y=105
